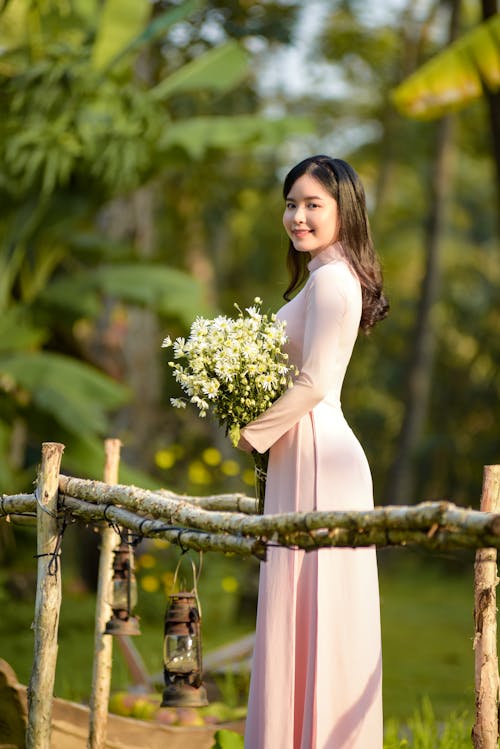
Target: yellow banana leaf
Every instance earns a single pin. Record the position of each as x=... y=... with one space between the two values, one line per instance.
x=455 y=77
x=120 y=22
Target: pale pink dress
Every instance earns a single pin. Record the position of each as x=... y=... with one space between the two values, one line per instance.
x=317 y=665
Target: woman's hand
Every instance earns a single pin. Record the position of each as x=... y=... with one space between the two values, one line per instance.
x=244 y=445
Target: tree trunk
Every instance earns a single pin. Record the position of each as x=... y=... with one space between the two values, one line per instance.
x=137 y=353
x=485 y=730
x=401 y=480
x=490 y=9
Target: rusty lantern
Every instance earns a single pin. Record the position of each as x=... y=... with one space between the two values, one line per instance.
x=124 y=593
x=182 y=664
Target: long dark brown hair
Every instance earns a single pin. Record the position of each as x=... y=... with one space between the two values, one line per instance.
x=341 y=181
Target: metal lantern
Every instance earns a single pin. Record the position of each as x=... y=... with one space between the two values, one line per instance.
x=124 y=593
x=182 y=665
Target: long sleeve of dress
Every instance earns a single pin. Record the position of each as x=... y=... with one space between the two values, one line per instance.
x=325 y=352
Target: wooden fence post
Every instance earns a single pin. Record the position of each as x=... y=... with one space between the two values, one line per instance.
x=103 y=644
x=48 y=601
x=485 y=730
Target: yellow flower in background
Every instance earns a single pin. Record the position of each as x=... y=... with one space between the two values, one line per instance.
x=146 y=561
x=229 y=584
x=230 y=468
x=198 y=474
x=161 y=543
x=248 y=477
x=211 y=456
x=168 y=580
x=165 y=458
x=150 y=583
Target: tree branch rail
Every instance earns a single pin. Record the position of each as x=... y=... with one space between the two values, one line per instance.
x=228 y=523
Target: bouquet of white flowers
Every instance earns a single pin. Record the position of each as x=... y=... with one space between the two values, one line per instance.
x=234 y=367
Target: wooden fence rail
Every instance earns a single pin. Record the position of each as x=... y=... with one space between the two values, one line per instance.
x=433 y=525
x=228 y=523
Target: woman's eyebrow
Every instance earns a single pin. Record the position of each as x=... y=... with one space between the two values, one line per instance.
x=310 y=197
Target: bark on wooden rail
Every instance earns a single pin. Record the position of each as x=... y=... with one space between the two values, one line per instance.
x=188 y=538
x=434 y=525
x=103 y=644
x=218 y=502
x=47 y=604
x=485 y=731
x=17 y=504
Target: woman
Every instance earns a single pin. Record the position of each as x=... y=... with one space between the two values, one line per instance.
x=316 y=675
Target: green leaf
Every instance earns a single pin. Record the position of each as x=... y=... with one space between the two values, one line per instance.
x=34 y=277
x=16 y=332
x=167 y=290
x=74 y=296
x=13 y=23
x=86 y=10
x=199 y=133
x=89 y=246
x=156 y=29
x=455 y=77
x=219 y=69
x=10 y=263
x=75 y=394
x=225 y=739
x=120 y=22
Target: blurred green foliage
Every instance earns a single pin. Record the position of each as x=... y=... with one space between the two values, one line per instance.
x=85 y=89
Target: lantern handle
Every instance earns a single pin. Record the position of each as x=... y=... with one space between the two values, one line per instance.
x=196 y=577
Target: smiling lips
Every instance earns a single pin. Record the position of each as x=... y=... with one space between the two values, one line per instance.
x=301 y=232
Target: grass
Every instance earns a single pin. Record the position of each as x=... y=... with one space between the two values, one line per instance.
x=427 y=631
x=426 y=622
x=423 y=731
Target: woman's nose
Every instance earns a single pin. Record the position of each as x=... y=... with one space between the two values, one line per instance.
x=298 y=216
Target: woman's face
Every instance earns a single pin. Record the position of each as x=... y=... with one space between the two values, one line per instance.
x=311 y=216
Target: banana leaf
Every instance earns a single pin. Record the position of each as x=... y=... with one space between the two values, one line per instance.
x=219 y=69
x=120 y=22
x=198 y=134
x=16 y=332
x=455 y=77
x=74 y=394
x=155 y=30
x=168 y=291
x=13 y=24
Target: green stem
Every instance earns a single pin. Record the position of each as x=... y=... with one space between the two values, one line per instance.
x=261 y=461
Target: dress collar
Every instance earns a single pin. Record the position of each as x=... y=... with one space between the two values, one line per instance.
x=330 y=254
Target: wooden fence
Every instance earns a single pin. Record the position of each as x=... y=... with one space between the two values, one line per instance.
x=228 y=523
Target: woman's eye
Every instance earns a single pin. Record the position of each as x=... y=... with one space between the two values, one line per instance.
x=312 y=205
x=290 y=205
